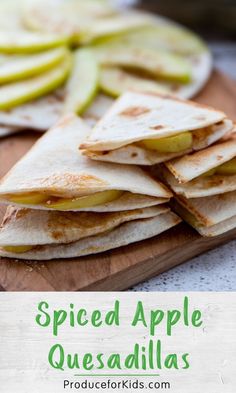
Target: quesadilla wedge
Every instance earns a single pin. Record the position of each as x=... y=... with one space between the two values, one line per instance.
x=52 y=235
x=149 y=128
x=210 y=216
x=53 y=175
x=208 y=172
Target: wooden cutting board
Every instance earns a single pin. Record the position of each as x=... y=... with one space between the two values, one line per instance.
x=121 y=268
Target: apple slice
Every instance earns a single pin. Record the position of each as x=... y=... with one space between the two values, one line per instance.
x=161 y=36
x=22 y=67
x=228 y=168
x=83 y=82
x=98 y=198
x=172 y=144
x=29 y=42
x=115 y=81
x=158 y=64
x=17 y=249
x=18 y=93
x=29 y=199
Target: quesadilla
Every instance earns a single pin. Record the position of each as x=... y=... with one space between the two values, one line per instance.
x=210 y=216
x=147 y=129
x=53 y=175
x=208 y=172
x=45 y=235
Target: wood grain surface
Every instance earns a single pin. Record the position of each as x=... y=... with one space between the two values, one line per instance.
x=117 y=269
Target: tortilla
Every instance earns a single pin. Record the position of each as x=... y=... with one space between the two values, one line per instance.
x=211 y=210
x=135 y=117
x=200 y=187
x=7 y=130
x=37 y=115
x=97 y=109
x=206 y=231
x=35 y=227
x=134 y=154
x=55 y=167
x=127 y=233
x=191 y=166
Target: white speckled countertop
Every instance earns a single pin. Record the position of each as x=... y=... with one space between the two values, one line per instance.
x=214 y=270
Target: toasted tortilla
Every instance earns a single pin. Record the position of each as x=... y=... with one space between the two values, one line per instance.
x=35 y=227
x=55 y=167
x=127 y=233
x=137 y=155
x=211 y=210
x=199 y=187
x=193 y=165
x=136 y=116
x=206 y=231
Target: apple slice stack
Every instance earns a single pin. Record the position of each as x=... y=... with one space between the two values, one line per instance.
x=31 y=65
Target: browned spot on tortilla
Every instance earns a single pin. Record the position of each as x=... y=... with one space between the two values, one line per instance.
x=105 y=153
x=134 y=111
x=26 y=117
x=134 y=155
x=21 y=213
x=200 y=118
x=219 y=157
x=69 y=180
x=158 y=127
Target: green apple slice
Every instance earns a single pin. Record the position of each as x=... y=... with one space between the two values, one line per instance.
x=18 y=249
x=172 y=144
x=161 y=37
x=115 y=26
x=18 y=93
x=29 y=199
x=21 y=67
x=83 y=82
x=98 y=198
x=29 y=42
x=228 y=168
x=115 y=81
x=159 y=64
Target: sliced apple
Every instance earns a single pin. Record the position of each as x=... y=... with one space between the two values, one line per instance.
x=161 y=37
x=18 y=249
x=22 y=42
x=115 y=81
x=20 y=92
x=173 y=144
x=158 y=64
x=115 y=26
x=83 y=82
x=228 y=168
x=21 y=67
x=29 y=199
x=211 y=172
x=99 y=198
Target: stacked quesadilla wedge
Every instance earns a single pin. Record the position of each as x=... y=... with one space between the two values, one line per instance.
x=204 y=184
x=66 y=205
x=146 y=129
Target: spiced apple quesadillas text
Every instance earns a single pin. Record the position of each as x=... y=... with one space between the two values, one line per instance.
x=147 y=129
